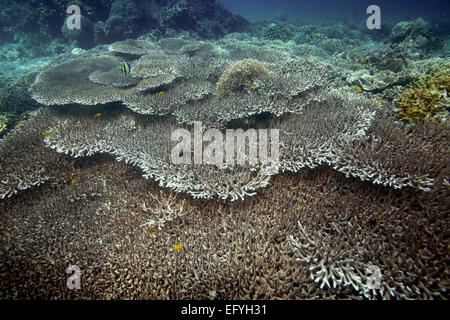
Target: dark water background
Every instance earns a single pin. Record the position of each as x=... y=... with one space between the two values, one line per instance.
x=345 y=9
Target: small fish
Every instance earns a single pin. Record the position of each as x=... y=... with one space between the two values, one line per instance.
x=160 y=93
x=178 y=247
x=143 y=69
x=47 y=134
x=363 y=60
x=358 y=88
x=21 y=123
x=97 y=115
x=154 y=229
x=249 y=53
x=382 y=101
x=74 y=181
x=125 y=68
x=302 y=204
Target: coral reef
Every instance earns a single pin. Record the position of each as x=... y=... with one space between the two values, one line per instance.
x=123 y=22
x=427 y=98
x=241 y=250
x=415 y=35
x=239 y=77
x=97 y=80
x=107 y=21
x=277 y=32
x=17 y=175
x=88 y=178
x=352 y=133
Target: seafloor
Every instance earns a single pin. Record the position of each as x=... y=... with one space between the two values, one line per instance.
x=86 y=176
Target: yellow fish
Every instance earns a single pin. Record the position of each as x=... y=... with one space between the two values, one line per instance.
x=358 y=88
x=47 y=134
x=160 y=93
x=21 y=123
x=74 y=181
x=250 y=53
x=144 y=69
x=97 y=115
x=154 y=229
x=178 y=247
x=363 y=60
x=382 y=101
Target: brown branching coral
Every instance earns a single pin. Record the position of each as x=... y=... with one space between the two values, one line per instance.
x=27 y=139
x=398 y=156
x=302 y=234
x=239 y=250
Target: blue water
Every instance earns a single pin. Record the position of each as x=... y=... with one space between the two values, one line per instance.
x=253 y=8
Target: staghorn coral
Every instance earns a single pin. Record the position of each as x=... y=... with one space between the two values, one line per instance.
x=250 y=249
x=398 y=156
x=21 y=142
x=238 y=250
x=307 y=140
x=148 y=146
x=331 y=267
x=310 y=138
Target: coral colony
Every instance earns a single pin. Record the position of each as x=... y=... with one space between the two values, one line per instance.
x=178 y=151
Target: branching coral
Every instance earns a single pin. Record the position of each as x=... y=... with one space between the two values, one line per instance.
x=16 y=173
x=121 y=229
x=398 y=156
x=317 y=126
x=330 y=267
x=428 y=98
x=159 y=85
x=148 y=146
